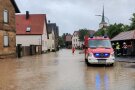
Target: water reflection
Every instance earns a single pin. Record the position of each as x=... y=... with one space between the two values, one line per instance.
x=109 y=78
x=99 y=77
x=106 y=79
x=98 y=82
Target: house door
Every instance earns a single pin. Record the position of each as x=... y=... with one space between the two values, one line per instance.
x=19 y=50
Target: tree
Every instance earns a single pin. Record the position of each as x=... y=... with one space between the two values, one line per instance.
x=61 y=41
x=82 y=33
x=100 y=32
x=115 y=29
x=132 y=25
x=112 y=30
x=64 y=37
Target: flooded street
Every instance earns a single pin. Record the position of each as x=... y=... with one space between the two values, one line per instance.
x=64 y=71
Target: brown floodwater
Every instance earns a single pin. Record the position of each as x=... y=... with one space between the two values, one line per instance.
x=64 y=71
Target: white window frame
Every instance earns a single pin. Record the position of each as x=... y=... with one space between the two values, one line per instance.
x=28 y=29
x=6 y=40
x=5 y=16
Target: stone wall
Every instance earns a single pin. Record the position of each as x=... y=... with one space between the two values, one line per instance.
x=7 y=29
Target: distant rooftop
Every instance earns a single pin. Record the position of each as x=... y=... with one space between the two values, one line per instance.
x=128 y=35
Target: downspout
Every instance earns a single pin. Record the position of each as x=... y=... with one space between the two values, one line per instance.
x=41 y=44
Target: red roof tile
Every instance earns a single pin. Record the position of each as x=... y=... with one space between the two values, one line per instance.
x=35 y=21
x=124 y=36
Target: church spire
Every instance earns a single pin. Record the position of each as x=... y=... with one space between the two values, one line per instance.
x=103 y=16
x=103 y=24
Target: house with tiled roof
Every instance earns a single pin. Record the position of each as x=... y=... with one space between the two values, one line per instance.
x=68 y=40
x=8 y=8
x=31 y=30
x=129 y=38
x=53 y=36
x=128 y=35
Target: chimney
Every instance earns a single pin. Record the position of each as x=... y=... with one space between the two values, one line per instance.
x=49 y=21
x=27 y=15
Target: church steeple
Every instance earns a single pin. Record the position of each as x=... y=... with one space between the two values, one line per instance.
x=103 y=24
x=103 y=16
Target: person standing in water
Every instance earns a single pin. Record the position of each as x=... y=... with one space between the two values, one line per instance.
x=73 y=50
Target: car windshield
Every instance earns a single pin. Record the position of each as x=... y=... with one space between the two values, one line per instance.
x=100 y=44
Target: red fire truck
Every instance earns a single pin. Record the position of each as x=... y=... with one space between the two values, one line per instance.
x=98 y=50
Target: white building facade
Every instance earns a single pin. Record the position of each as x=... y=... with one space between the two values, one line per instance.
x=51 y=41
x=27 y=40
x=75 y=40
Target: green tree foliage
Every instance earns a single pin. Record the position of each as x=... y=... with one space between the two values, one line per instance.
x=100 y=32
x=115 y=29
x=61 y=41
x=112 y=30
x=132 y=25
x=82 y=33
x=64 y=37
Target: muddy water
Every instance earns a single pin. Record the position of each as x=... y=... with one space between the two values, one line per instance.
x=64 y=71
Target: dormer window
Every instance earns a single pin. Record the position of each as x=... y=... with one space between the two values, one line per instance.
x=5 y=16
x=28 y=29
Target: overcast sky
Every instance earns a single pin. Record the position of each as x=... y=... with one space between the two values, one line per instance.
x=71 y=15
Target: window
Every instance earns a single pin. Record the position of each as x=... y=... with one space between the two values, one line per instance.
x=28 y=29
x=100 y=43
x=5 y=15
x=6 y=41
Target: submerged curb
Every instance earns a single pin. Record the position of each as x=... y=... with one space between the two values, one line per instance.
x=128 y=60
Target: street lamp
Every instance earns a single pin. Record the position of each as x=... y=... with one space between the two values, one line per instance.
x=105 y=17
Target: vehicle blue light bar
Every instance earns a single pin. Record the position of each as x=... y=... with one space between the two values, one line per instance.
x=97 y=54
x=106 y=54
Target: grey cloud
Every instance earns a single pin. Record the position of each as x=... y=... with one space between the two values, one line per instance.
x=71 y=15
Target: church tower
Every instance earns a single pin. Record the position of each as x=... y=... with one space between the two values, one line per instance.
x=103 y=24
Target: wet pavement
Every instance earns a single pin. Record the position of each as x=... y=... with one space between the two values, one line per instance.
x=128 y=59
x=64 y=71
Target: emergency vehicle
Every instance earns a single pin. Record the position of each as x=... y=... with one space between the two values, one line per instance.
x=98 y=50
